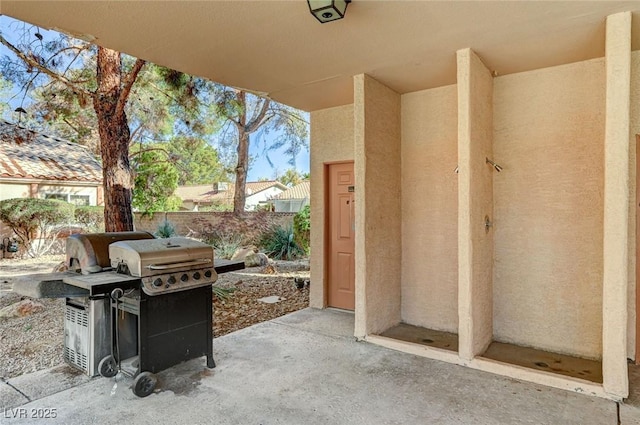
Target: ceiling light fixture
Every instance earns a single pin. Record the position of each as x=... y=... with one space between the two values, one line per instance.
x=328 y=10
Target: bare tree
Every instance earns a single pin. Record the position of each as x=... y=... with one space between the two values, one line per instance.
x=250 y=114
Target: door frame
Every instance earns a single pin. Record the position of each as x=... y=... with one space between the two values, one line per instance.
x=326 y=229
x=637 y=215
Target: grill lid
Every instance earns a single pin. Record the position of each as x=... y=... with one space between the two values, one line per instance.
x=159 y=256
x=90 y=251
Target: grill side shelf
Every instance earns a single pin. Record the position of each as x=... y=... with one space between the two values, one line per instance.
x=102 y=283
x=226 y=266
x=47 y=285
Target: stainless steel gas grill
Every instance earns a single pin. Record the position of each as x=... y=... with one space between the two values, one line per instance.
x=161 y=306
x=87 y=317
x=133 y=303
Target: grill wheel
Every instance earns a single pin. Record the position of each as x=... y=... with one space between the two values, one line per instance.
x=144 y=384
x=108 y=367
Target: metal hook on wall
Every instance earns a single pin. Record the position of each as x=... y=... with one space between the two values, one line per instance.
x=496 y=166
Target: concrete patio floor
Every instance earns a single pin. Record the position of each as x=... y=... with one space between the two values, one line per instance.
x=305 y=368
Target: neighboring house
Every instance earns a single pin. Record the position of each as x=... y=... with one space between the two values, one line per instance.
x=35 y=165
x=293 y=199
x=195 y=197
x=489 y=267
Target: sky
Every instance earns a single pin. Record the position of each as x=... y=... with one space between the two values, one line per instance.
x=260 y=167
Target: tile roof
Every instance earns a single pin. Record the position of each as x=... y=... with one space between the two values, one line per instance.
x=300 y=191
x=205 y=193
x=27 y=154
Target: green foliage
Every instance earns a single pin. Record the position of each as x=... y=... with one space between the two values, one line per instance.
x=5 y=89
x=166 y=229
x=302 y=227
x=196 y=161
x=222 y=294
x=155 y=180
x=291 y=177
x=279 y=243
x=32 y=218
x=91 y=218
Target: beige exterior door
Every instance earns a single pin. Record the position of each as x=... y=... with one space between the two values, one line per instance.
x=341 y=243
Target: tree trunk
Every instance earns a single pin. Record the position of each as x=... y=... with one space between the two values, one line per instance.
x=114 y=142
x=239 y=198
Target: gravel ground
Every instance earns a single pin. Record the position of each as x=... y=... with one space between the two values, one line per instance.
x=34 y=342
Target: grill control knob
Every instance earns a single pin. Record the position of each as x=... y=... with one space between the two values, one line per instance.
x=171 y=280
x=196 y=275
x=184 y=277
x=207 y=274
x=157 y=283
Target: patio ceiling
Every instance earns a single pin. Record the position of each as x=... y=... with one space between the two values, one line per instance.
x=279 y=49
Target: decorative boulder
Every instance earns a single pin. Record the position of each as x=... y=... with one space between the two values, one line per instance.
x=242 y=253
x=256 y=260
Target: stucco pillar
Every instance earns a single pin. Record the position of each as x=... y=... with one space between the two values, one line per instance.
x=475 y=205
x=33 y=190
x=616 y=198
x=100 y=195
x=378 y=208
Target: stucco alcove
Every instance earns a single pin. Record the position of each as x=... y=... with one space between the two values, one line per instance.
x=535 y=295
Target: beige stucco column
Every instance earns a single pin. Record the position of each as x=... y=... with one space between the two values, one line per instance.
x=475 y=205
x=616 y=198
x=378 y=213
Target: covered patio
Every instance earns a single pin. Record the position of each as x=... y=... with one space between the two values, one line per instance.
x=506 y=134
x=306 y=368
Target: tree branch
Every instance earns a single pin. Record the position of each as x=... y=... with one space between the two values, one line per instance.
x=259 y=119
x=44 y=69
x=128 y=83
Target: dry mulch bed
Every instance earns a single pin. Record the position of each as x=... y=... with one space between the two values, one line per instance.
x=243 y=309
x=35 y=342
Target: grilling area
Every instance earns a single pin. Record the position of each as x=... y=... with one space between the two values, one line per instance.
x=134 y=305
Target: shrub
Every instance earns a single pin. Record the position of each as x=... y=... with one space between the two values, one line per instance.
x=90 y=217
x=226 y=245
x=166 y=229
x=302 y=228
x=35 y=221
x=279 y=243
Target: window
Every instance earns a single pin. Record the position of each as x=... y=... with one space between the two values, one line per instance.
x=78 y=200
x=57 y=196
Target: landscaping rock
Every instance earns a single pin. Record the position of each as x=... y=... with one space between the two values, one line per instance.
x=21 y=309
x=272 y=299
x=242 y=253
x=256 y=260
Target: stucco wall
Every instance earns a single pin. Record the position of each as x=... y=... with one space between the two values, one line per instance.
x=10 y=190
x=548 y=136
x=430 y=209
x=331 y=141
x=378 y=208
